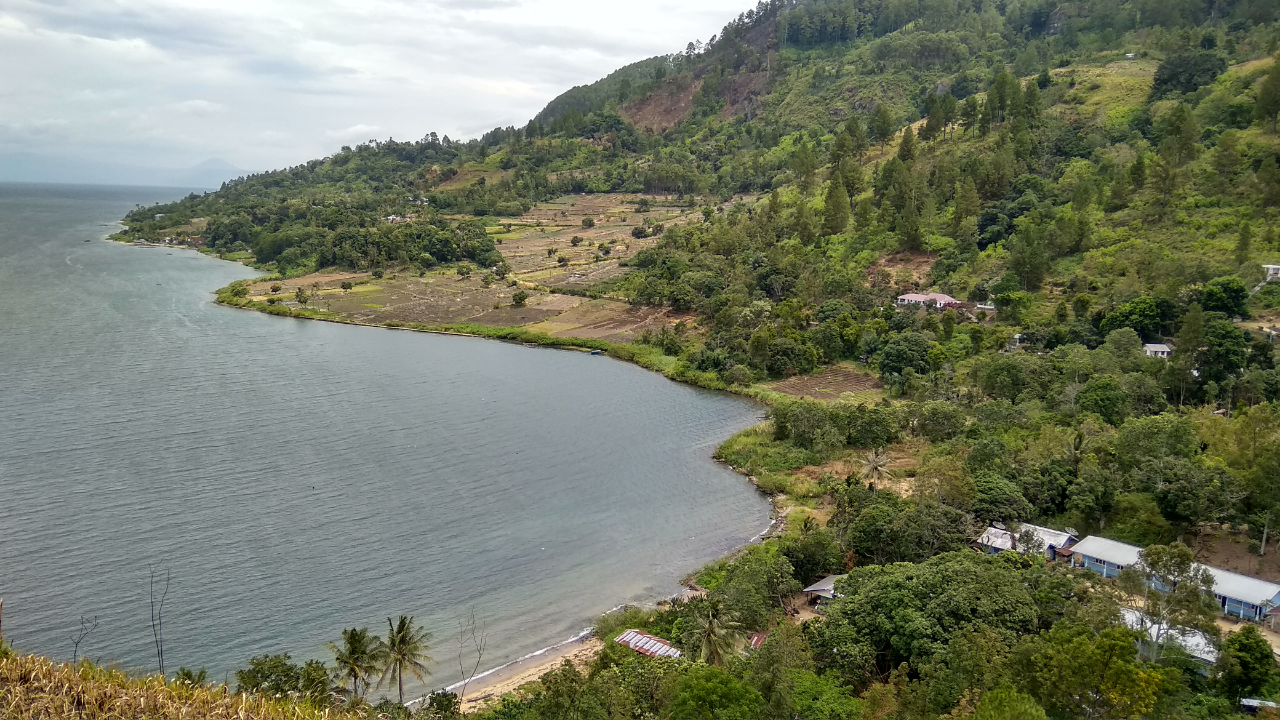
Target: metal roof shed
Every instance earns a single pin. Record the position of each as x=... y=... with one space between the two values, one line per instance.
x=1197 y=644
x=997 y=539
x=647 y=644
x=826 y=587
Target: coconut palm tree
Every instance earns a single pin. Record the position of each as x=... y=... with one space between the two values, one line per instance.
x=717 y=633
x=875 y=465
x=406 y=652
x=359 y=658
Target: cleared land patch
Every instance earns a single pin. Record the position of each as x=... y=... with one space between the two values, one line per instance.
x=831 y=384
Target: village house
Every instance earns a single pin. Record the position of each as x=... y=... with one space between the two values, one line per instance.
x=998 y=539
x=818 y=594
x=1241 y=596
x=1273 y=272
x=1157 y=350
x=930 y=300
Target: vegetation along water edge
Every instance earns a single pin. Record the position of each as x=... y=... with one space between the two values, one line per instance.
x=1005 y=275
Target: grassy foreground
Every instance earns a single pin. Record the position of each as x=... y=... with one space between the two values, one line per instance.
x=33 y=687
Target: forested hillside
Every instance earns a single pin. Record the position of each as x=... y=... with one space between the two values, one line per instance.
x=1092 y=189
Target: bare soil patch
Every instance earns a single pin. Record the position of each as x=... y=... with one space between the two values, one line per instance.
x=1230 y=551
x=609 y=320
x=664 y=108
x=918 y=263
x=537 y=240
x=829 y=384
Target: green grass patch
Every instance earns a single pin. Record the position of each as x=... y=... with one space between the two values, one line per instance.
x=755 y=451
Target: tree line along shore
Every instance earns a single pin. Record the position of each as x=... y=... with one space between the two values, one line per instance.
x=988 y=265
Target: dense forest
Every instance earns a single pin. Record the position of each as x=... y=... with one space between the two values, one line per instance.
x=1086 y=181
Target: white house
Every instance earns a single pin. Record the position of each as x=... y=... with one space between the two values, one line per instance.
x=932 y=299
x=1273 y=272
x=996 y=540
x=1157 y=350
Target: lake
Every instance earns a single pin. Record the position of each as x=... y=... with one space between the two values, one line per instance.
x=294 y=478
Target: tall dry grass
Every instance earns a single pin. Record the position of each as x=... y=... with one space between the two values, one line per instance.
x=34 y=688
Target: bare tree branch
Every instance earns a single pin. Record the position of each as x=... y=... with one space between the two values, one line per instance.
x=157 y=615
x=472 y=637
x=87 y=626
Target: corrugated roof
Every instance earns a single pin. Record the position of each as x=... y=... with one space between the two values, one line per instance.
x=1004 y=540
x=1156 y=347
x=1242 y=587
x=647 y=644
x=1113 y=551
x=1197 y=644
x=1225 y=583
x=826 y=587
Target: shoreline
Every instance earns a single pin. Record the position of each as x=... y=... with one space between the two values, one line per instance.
x=490 y=686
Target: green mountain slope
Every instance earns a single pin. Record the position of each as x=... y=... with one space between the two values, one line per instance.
x=1081 y=178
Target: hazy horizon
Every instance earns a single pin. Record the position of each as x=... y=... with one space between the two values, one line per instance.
x=274 y=83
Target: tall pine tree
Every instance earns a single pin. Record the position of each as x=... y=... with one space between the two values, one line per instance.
x=1267 y=106
x=835 y=215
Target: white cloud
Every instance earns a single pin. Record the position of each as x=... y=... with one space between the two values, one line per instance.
x=355 y=132
x=263 y=83
x=199 y=107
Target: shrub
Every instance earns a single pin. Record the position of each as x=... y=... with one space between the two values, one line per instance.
x=519 y=299
x=588 y=222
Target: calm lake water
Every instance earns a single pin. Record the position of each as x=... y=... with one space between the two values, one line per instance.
x=296 y=477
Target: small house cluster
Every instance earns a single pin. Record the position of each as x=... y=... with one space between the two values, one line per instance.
x=1239 y=596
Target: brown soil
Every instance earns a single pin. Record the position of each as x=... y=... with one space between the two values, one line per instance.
x=743 y=95
x=442 y=297
x=610 y=320
x=552 y=226
x=829 y=384
x=917 y=262
x=1230 y=551
x=664 y=108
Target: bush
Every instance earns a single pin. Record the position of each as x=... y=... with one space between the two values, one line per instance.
x=519 y=299
x=588 y=222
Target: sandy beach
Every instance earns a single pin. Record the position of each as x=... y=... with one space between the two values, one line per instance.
x=488 y=690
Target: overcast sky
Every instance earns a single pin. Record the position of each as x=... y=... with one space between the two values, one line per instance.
x=270 y=83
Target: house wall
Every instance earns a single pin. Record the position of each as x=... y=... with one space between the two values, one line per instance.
x=1230 y=606
x=1102 y=567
